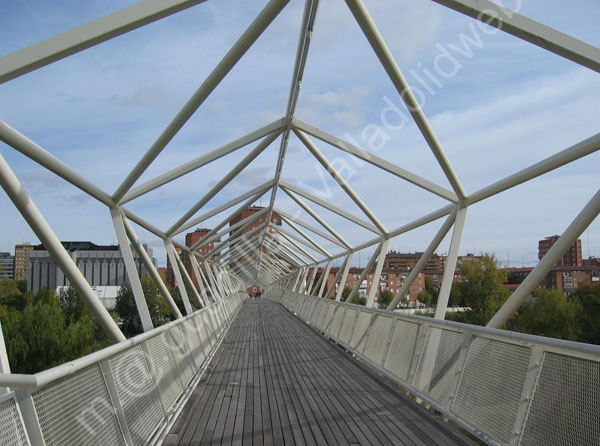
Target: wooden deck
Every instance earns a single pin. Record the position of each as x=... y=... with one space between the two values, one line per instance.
x=276 y=381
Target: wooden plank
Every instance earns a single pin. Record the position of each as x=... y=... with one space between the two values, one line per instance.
x=296 y=387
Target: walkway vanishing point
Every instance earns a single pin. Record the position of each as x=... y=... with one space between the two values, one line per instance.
x=275 y=381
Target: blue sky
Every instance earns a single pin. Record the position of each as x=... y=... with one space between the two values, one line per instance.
x=506 y=105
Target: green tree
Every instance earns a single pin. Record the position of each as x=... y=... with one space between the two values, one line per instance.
x=588 y=316
x=346 y=292
x=548 y=313
x=72 y=304
x=431 y=289
x=481 y=290
x=385 y=298
x=126 y=308
x=425 y=298
x=12 y=295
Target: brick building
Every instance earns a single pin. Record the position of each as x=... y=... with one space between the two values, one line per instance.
x=21 y=268
x=190 y=239
x=573 y=256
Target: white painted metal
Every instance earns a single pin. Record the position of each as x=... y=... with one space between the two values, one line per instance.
x=372 y=34
x=532 y=281
x=450 y=265
x=130 y=268
x=42 y=230
x=423 y=260
x=364 y=274
x=344 y=271
x=172 y=256
x=377 y=273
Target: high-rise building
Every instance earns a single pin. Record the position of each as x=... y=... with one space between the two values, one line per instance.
x=572 y=257
x=6 y=266
x=192 y=238
x=101 y=265
x=275 y=218
x=22 y=251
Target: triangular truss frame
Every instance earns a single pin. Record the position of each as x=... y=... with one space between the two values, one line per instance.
x=270 y=255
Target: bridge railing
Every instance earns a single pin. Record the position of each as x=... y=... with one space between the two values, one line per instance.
x=507 y=388
x=128 y=393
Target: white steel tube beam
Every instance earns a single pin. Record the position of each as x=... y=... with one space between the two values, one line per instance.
x=198 y=274
x=296 y=245
x=308 y=20
x=186 y=277
x=216 y=289
x=345 y=269
x=450 y=267
x=376 y=161
x=312 y=280
x=282 y=231
x=42 y=230
x=364 y=20
x=377 y=273
x=240 y=250
x=287 y=251
x=223 y=182
x=256 y=28
x=560 y=159
x=217 y=210
x=316 y=216
x=135 y=241
x=130 y=268
x=323 y=282
x=329 y=207
x=339 y=179
x=202 y=160
x=238 y=233
x=532 y=281
x=90 y=34
x=364 y=275
x=527 y=29
x=143 y=223
x=172 y=255
x=294 y=221
x=439 y=236
x=24 y=145
x=212 y=234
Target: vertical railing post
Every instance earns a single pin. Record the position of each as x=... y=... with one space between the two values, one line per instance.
x=172 y=256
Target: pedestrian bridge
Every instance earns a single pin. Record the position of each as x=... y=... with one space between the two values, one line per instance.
x=299 y=365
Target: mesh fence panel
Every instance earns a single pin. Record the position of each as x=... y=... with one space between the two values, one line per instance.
x=338 y=318
x=348 y=326
x=167 y=374
x=490 y=388
x=181 y=352
x=12 y=431
x=360 y=331
x=322 y=318
x=565 y=409
x=378 y=338
x=136 y=394
x=195 y=341
x=78 y=410
x=438 y=364
x=402 y=348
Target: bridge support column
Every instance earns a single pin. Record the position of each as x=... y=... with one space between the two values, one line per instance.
x=363 y=275
x=377 y=274
x=132 y=273
x=198 y=275
x=320 y=286
x=344 y=270
x=172 y=255
x=450 y=267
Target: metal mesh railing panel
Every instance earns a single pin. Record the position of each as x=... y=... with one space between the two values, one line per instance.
x=360 y=331
x=165 y=369
x=402 y=348
x=136 y=393
x=181 y=352
x=328 y=322
x=338 y=318
x=195 y=341
x=315 y=311
x=490 y=388
x=12 y=431
x=77 y=409
x=201 y=323
x=323 y=311
x=348 y=326
x=438 y=364
x=378 y=337
x=565 y=409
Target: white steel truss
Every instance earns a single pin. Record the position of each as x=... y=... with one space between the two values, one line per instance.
x=268 y=252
